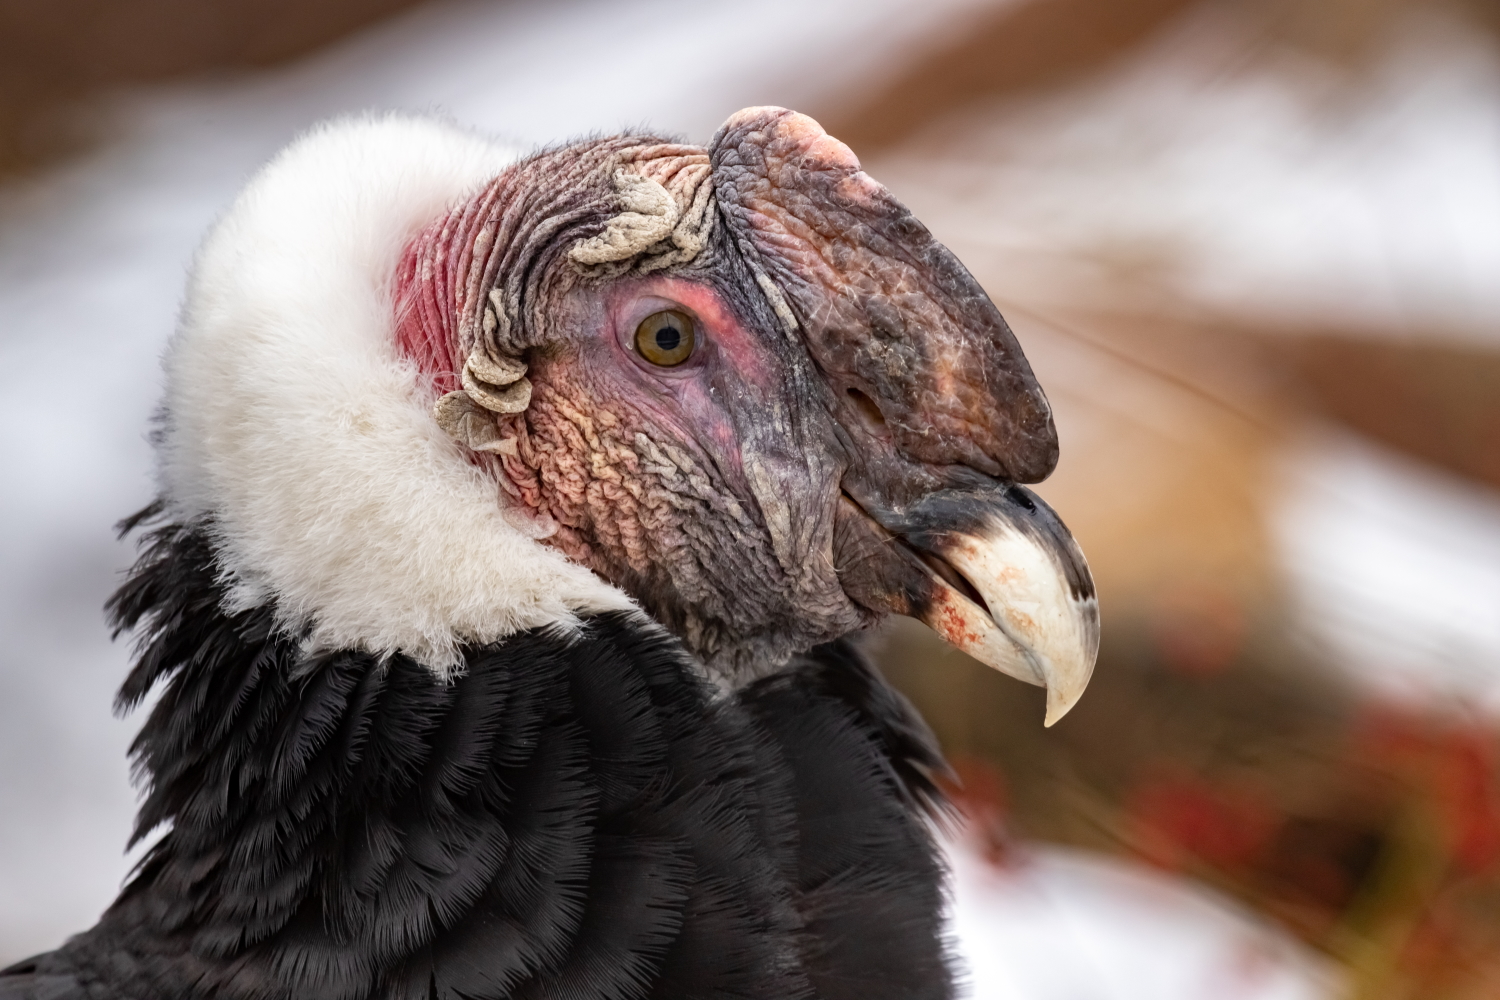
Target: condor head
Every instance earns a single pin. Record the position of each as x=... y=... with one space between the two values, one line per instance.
x=747 y=387
x=426 y=394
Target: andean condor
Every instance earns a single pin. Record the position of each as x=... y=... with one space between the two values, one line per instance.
x=513 y=514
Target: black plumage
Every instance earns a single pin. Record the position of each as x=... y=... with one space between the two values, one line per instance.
x=576 y=815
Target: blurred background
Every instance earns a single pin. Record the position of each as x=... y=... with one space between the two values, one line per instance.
x=1252 y=248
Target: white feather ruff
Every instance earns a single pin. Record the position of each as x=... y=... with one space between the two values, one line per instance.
x=295 y=427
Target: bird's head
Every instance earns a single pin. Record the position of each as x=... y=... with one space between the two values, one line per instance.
x=741 y=384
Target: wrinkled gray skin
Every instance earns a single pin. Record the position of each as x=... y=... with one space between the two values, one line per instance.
x=847 y=366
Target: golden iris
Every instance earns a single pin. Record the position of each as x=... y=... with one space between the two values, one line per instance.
x=665 y=338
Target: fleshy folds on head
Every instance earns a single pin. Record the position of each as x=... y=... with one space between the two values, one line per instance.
x=470 y=283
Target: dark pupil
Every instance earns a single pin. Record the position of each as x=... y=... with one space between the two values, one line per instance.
x=668 y=337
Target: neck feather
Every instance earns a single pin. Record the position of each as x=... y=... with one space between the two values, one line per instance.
x=571 y=816
x=341 y=824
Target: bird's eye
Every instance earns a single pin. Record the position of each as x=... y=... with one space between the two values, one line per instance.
x=665 y=338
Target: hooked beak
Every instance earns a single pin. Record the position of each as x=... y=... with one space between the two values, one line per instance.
x=929 y=391
x=996 y=573
x=1037 y=616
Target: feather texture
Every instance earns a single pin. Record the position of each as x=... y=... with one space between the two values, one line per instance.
x=572 y=816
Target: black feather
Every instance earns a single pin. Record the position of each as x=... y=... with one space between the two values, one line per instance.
x=575 y=817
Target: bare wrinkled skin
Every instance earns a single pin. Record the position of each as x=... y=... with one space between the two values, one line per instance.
x=843 y=353
x=885 y=309
x=644 y=512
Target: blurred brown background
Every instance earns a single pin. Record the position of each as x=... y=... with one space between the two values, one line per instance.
x=55 y=52
x=1259 y=722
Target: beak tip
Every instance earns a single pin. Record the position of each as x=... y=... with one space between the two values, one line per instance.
x=1065 y=687
x=1060 y=702
x=1031 y=610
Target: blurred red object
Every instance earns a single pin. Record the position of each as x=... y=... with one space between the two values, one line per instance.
x=1451 y=767
x=978 y=789
x=1177 y=818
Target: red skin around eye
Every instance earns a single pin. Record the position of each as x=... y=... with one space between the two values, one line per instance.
x=721 y=336
x=687 y=401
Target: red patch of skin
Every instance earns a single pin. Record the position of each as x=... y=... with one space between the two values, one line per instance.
x=681 y=400
x=817 y=149
x=638 y=471
x=595 y=454
x=952 y=622
x=425 y=320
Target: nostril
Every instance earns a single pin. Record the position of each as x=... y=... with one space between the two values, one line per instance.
x=867 y=406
